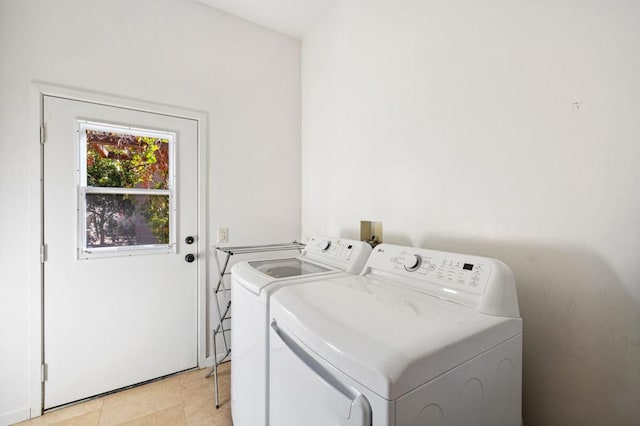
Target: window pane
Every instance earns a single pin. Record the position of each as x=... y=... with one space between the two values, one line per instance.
x=126 y=220
x=119 y=160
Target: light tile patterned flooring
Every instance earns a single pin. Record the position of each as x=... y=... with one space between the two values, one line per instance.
x=183 y=399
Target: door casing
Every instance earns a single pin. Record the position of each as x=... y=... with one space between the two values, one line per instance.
x=38 y=90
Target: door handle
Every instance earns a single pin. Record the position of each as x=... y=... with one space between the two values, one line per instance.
x=189 y=258
x=314 y=365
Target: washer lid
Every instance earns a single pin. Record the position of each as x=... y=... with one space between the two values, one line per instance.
x=256 y=275
x=285 y=268
x=389 y=338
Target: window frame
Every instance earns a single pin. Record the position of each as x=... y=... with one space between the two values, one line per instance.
x=84 y=252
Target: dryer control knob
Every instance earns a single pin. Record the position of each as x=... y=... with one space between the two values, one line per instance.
x=324 y=245
x=412 y=262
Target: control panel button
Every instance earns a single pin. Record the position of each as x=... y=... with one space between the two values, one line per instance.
x=412 y=262
x=324 y=245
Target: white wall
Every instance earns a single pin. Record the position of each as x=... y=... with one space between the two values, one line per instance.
x=176 y=52
x=507 y=129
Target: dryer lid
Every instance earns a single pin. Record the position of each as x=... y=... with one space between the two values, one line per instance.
x=389 y=338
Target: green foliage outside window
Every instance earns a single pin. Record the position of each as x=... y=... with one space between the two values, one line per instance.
x=117 y=160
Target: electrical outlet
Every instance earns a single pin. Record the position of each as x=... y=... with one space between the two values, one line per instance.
x=371 y=232
x=223 y=235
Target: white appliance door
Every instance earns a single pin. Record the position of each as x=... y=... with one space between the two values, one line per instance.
x=304 y=390
x=120 y=286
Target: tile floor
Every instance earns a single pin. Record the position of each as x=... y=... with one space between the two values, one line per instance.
x=183 y=399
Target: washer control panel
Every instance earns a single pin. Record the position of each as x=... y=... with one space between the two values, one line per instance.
x=348 y=255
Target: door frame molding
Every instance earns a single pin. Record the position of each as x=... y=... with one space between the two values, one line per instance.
x=39 y=89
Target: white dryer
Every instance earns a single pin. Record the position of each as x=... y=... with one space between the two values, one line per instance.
x=252 y=284
x=421 y=337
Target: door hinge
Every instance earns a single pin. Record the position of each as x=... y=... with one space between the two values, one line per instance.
x=43 y=372
x=43 y=253
x=42 y=134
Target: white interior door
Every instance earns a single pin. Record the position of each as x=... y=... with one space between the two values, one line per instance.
x=120 y=200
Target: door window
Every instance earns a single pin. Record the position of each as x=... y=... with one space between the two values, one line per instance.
x=126 y=190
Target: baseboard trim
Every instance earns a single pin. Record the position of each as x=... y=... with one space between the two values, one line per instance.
x=12 y=417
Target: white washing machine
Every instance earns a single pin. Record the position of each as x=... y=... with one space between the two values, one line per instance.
x=421 y=337
x=252 y=284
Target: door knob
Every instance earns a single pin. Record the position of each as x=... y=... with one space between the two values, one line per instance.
x=190 y=258
x=189 y=240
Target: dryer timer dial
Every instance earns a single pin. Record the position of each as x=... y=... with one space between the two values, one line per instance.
x=412 y=262
x=324 y=245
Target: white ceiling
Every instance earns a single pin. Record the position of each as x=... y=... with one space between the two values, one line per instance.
x=290 y=17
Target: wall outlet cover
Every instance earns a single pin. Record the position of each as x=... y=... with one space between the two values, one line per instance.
x=223 y=235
